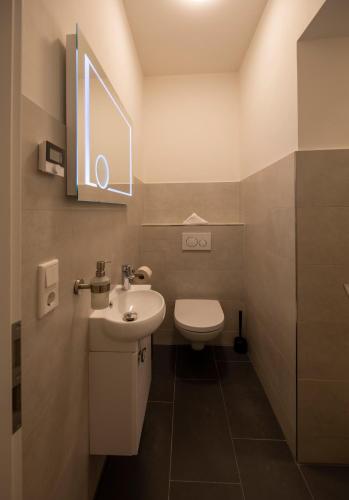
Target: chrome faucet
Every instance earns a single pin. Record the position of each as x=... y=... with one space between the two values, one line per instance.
x=128 y=274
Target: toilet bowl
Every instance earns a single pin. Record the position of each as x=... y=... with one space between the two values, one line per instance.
x=199 y=320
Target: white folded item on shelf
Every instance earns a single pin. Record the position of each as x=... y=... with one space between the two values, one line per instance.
x=195 y=219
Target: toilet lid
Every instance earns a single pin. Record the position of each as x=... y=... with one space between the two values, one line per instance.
x=199 y=315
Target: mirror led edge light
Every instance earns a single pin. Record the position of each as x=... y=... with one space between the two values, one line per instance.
x=87 y=65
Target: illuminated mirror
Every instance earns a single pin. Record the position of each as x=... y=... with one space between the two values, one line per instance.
x=99 y=130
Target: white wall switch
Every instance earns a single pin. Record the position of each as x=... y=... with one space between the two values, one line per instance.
x=48 y=287
x=196 y=241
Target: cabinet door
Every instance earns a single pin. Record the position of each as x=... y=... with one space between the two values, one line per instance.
x=113 y=403
x=143 y=381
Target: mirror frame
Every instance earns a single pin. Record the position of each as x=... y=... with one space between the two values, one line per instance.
x=88 y=192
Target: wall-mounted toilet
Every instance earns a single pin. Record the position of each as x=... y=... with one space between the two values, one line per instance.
x=199 y=320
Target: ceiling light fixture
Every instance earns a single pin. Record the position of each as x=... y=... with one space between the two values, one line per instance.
x=198 y=2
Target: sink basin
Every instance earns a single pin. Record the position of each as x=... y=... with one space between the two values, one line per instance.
x=145 y=309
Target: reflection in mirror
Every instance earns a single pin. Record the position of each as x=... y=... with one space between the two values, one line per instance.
x=99 y=131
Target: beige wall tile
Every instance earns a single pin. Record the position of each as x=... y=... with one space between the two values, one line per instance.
x=210 y=284
x=322 y=235
x=323 y=350
x=268 y=210
x=178 y=274
x=173 y=203
x=280 y=231
x=71 y=483
x=40 y=191
x=323 y=178
x=46 y=235
x=276 y=372
x=323 y=416
x=231 y=310
x=323 y=312
x=55 y=391
x=55 y=406
x=321 y=295
x=226 y=250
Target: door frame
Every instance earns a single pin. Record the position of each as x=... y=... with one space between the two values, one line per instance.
x=10 y=238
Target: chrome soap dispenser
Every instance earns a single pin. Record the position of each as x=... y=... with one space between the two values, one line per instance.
x=99 y=286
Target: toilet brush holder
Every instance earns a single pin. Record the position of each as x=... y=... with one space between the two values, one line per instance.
x=240 y=343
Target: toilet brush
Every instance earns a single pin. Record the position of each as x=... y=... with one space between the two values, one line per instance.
x=240 y=343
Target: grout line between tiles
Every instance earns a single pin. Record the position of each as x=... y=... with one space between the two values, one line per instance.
x=199 y=379
x=319 y=465
x=232 y=361
x=259 y=439
x=202 y=482
x=229 y=430
x=172 y=424
x=163 y=402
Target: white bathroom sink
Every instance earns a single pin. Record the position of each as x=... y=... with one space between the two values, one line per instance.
x=145 y=308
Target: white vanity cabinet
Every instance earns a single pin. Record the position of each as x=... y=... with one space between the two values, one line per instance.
x=119 y=383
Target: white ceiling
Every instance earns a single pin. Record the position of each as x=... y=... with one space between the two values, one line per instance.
x=192 y=36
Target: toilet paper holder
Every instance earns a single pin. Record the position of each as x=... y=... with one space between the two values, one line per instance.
x=128 y=275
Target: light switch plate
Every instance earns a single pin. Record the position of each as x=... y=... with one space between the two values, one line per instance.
x=48 y=287
x=197 y=241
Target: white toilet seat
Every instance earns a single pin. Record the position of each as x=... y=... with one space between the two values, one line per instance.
x=199 y=320
x=199 y=315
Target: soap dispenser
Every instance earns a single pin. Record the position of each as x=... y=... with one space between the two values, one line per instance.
x=100 y=287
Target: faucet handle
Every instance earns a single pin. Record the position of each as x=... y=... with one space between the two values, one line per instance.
x=127 y=268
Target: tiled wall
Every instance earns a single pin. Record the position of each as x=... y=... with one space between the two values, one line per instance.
x=268 y=210
x=173 y=203
x=209 y=275
x=178 y=274
x=323 y=305
x=55 y=372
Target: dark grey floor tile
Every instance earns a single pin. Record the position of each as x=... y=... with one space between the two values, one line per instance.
x=205 y=491
x=327 y=483
x=249 y=411
x=195 y=364
x=268 y=471
x=145 y=476
x=163 y=373
x=202 y=449
x=226 y=353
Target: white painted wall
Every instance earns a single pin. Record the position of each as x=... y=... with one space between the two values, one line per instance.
x=187 y=119
x=45 y=26
x=190 y=128
x=268 y=84
x=323 y=87
x=10 y=239
x=5 y=250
